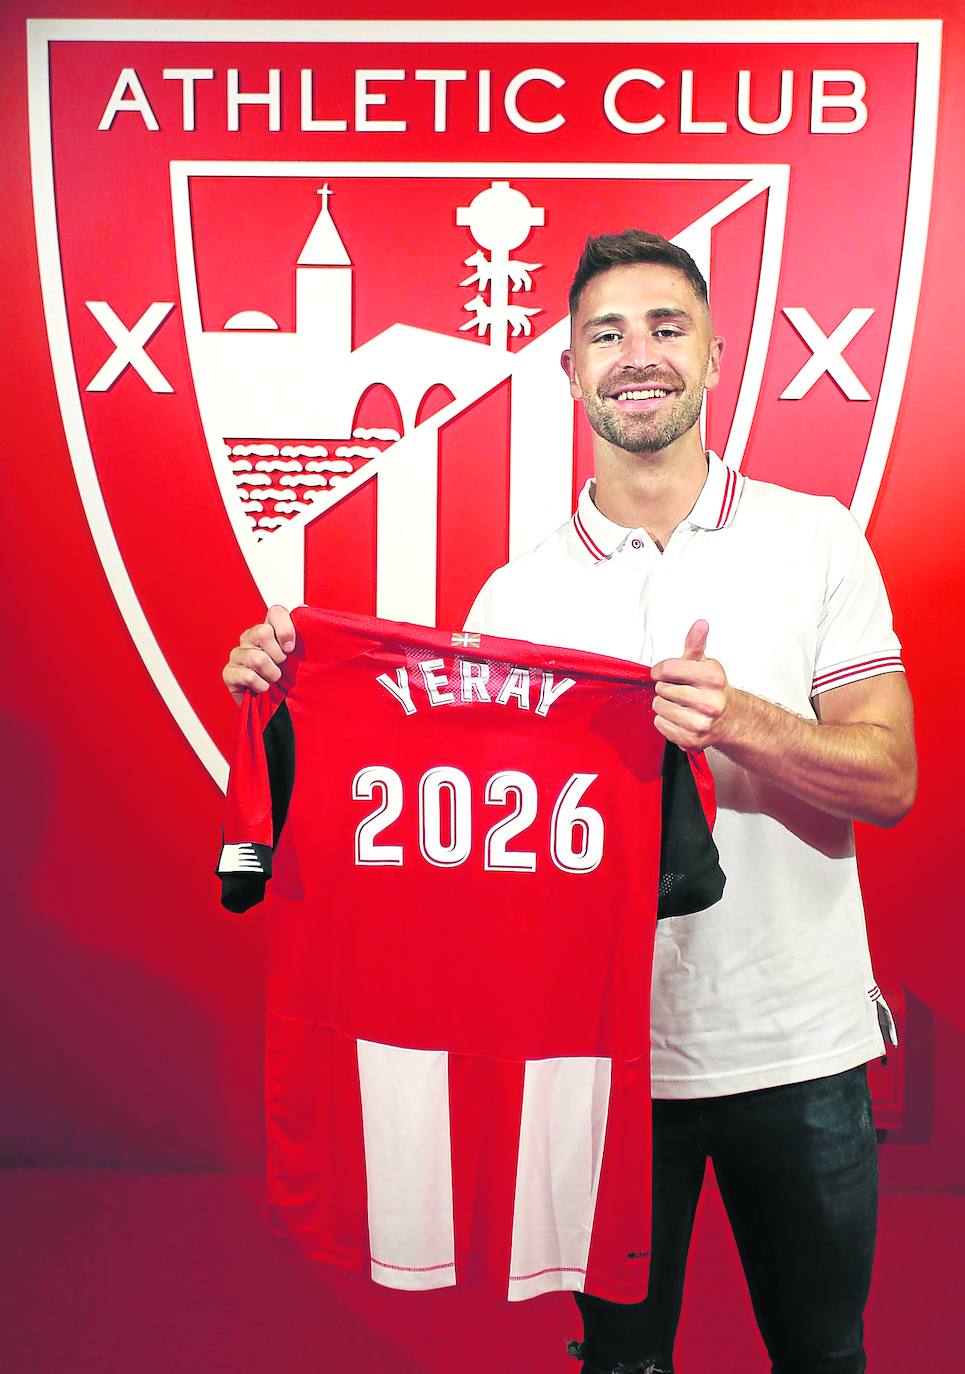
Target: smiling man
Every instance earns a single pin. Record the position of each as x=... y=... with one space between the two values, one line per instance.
x=764 y=616
x=642 y=410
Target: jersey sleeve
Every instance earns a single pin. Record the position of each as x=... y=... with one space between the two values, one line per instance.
x=256 y=805
x=691 y=878
x=856 y=638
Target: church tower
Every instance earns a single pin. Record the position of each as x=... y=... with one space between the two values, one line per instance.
x=323 y=289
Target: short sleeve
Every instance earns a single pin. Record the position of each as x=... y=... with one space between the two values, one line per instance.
x=856 y=637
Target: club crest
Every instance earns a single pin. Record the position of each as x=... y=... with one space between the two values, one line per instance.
x=306 y=309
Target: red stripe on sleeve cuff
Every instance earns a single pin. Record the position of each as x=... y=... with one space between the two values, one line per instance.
x=851 y=672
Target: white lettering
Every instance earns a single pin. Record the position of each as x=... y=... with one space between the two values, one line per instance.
x=826 y=351
x=237 y=98
x=435 y=677
x=516 y=685
x=485 y=120
x=473 y=678
x=631 y=126
x=128 y=94
x=188 y=76
x=853 y=100
x=364 y=98
x=129 y=349
x=311 y=125
x=630 y=100
x=400 y=689
x=769 y=126
x=521 y=79
x=689 y=125
x=550 y=691
x=440 y=80
x=439 y=676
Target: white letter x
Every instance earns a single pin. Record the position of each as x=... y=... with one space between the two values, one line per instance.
x=129 y=349
x=826 y=353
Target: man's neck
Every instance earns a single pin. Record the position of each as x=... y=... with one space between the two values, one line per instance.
x=650 y=491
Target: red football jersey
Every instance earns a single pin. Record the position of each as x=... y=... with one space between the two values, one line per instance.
x=459 y=932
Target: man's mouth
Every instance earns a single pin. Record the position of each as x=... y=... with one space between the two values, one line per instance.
x=651 y=394
x=640 y=398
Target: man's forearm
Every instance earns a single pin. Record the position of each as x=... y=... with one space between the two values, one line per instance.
x=856 y=760
x=855 y=769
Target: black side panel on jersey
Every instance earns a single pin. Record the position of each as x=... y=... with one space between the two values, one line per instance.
x=279 y=737
x=691 y=878
x=246 y=888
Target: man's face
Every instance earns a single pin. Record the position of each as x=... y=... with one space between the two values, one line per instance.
x=642 y=351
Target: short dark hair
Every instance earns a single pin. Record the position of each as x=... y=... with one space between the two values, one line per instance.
x=604 y=251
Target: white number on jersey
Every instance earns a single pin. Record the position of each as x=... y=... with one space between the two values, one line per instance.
x=522 y=788
x=446 y=820
x=576 y=835
x=364 y=783
x=453 y=785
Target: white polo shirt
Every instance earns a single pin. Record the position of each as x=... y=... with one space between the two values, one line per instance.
x=774 y=984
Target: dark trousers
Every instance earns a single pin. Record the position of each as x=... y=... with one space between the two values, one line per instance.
x=797 y=1168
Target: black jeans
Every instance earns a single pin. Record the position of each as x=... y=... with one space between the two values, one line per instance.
x=797 y=1168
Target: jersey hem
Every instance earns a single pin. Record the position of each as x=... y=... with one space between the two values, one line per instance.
x=613 y=1289
x=767 y=1075
x=465 y=1271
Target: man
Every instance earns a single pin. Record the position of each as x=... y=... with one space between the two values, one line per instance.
x=765 y=1010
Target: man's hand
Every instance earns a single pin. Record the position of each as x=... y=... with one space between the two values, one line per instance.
x=692 y=697
x=856 y=760
x=256 y=661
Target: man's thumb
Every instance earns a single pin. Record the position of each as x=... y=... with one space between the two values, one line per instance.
x=696 y=641
x=279 y=618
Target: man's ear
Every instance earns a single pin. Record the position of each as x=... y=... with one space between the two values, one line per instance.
x=568 y=364
x=713 y=363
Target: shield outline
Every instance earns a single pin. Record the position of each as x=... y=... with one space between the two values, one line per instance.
x=924 y=34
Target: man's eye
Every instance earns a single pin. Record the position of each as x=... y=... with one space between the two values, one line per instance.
x=667 y=333
x=608 y=337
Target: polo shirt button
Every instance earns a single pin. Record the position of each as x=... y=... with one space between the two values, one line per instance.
x=636 y=543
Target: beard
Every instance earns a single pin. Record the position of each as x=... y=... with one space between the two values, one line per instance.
x=644 y=431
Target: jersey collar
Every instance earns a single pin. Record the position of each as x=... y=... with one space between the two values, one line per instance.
x=598 y=537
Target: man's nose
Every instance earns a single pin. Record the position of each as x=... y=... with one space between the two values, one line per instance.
x=640 y=349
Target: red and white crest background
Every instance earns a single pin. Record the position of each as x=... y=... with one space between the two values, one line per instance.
x=322 y=362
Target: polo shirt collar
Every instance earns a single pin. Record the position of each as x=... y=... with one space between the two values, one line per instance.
x=713 y=510
x=719 y=497
x=598 y=535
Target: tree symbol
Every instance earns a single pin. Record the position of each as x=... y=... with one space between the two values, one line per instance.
x=499 y=219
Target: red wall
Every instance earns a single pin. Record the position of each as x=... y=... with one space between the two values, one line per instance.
x=129 y=1005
